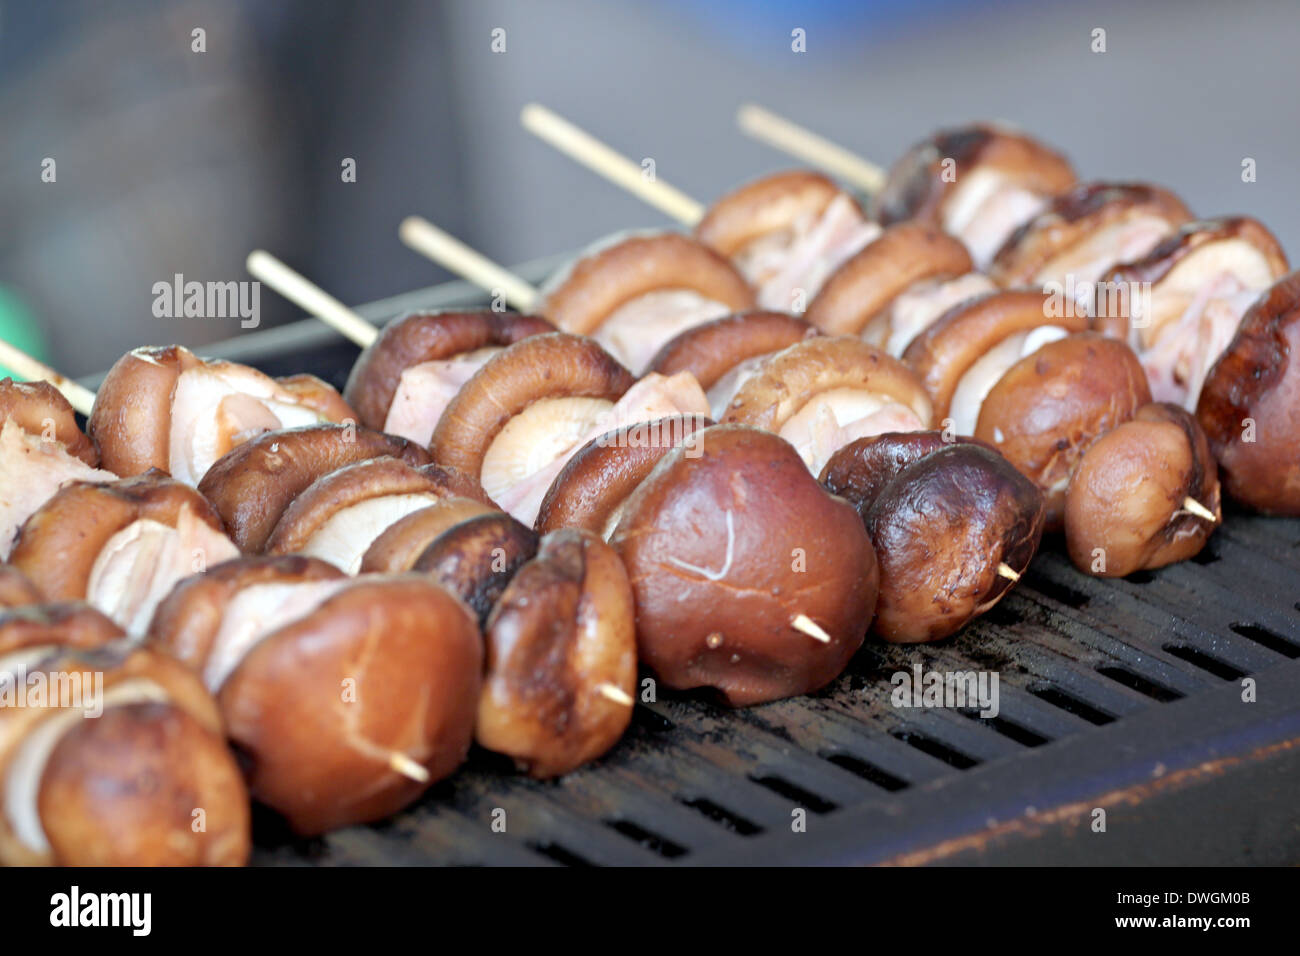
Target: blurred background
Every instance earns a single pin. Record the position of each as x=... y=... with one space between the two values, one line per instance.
x=170 y=161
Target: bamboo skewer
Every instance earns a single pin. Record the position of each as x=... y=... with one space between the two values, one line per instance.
x=1007 y=571
x=311 y=297
x=78 y=396
x=780 y=133
x=452 y=254
x=1198 y=509
x=581 y=146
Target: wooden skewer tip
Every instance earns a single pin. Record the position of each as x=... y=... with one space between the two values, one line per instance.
x=805 y=624
x=407 y=767
x=1198 y=509
x=615 y=694
x=1007 y=571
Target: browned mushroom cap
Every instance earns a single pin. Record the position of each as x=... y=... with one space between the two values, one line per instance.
x=337 y=712
x=40 y=409
x=770 y=593
x=476 y=559
x=1127 y=505
x=561 y=658
x=790 y=385
x=400 y=544
x=1179 y=266
x=69 y=624
x=860 y=469
x=253 y=484
x=125 y=788
x=711 y=350
x=540 y=367
x=917 y=187
x=591 y=490
x=771 y=204
x=15 y=589
x=339 y=515
x=120 y=546
x=863 y=287
x=1082 y=233
x=945 y=351
x=1051 y=405
x=427 y=337
x=166 y=408
x=947 y=528
x=1248 y=404
x=188 y=620
x=599 y=284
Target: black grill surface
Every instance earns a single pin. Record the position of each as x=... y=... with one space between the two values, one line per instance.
x=1124 y=696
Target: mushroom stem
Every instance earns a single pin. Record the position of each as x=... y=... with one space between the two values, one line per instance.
x=302 y=292
x=408 y=767
x=1007 y=571
x=78 y=396
x=452 y=254
x=616 y=694
x=788 y=137
x=1198 y=509
x=584 y=148
x=802 y=622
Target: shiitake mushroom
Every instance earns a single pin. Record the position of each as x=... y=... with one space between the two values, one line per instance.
x=749 y=577
x=953 y=524
x=1250 y=404
x=476 y=558
x=1045 y=411
x=1145 y=494
x=561 y=657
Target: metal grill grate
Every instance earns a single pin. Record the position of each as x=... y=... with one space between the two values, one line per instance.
x=1107 y=687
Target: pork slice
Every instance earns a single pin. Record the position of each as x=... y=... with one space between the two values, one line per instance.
x=637 y=329
x=425 y=390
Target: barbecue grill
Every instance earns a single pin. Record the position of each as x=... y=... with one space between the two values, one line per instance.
x=1121 y=695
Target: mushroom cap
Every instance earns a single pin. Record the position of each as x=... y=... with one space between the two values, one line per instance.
x=562 y=628
x=1157 y=265
x=1073 y=216
x=1126 y=495
x=119 y=790
x=946 y=350
x=344 y=488
x=69 y=624
x=253 y=484
x=599 y=477
x=386 y=665
x=917 y=187
x=476 y=558
x=863 y=287
x=1052 y=404
x=598 y=284
x=788 y=380
x=32 y=404
x=716 y=607
x=859 y=470
x=123 y=789
x=58 y=545
x=15 y=589
x=400 y=545
x=712 y=349
x=187 y=621
x=764 y=206
x=941 y=525
x=1248 y=405
x=427 y=337
x=555 y=365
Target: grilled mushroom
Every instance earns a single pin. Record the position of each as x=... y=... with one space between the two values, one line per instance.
x=166 y=408
x=1249 y=404
x=403 y=381
x=561 y=657
x=636 y=294
x=40 y=409
x=770 y=593
x=346 y=697
x=253 y=485
x=476 y=558
x=953 y=525
x=1144 y=495
x=125 y=766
